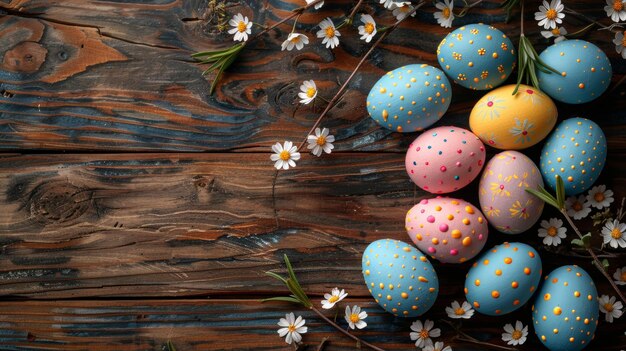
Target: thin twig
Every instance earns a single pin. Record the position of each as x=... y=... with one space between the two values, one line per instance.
x=335 y=98
x=354 y=10
x=596 y=260
x=588 y=19
x=344 y=332
x=274 y=198
x=322 y=344
x=296 y=12
x=462 y=336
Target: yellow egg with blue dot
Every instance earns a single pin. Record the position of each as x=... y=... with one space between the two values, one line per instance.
x=400 y=278
x=584 y=71
x=576 y=151
x=565 y=312
x=409 y=98
x=477 y=56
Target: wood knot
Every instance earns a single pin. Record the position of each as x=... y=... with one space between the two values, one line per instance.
x=58 y=202
x=26 y=57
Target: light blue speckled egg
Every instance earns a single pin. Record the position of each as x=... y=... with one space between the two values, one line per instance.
x=503 y=279
x=477 y=56
x=400 y=277
x=576 y=150
x=585 y=71
x=565 y=313
x=409 y=98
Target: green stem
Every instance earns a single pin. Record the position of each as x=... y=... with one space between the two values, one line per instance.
x=344 y=332
x=596 y=260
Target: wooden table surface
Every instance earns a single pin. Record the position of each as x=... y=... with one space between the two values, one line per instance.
x=135 y=208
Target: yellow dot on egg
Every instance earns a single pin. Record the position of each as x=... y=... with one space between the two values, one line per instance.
x=589 y=297
x=577 y=293
x=571 y=339
x=470 y=64
x=514 y=285
x=435 y=241
x=498 y=272
x=390 y=286
x=469 y=209
x=383 y=90
x=495 y=55
x=564 y=74
x=557 y=311
x=495 y=294
x=466 y=221
x=555 y=331
x=508 y=260
x=422 y=279
x=570 y=178
x=367 y=272
x=543 y=338
x=477 y=282
x=586 y=321
x=456 y=234
x=547 y=297
x=381 y=285
x=467 y=241
x=404 y=295
x=581 y=86
x=389 y=297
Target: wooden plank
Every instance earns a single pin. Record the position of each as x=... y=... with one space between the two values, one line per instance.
x=185 y=224
x=135 y=325
x=92 y=75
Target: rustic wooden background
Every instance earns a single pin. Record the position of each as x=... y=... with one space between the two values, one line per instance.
x=136 y=209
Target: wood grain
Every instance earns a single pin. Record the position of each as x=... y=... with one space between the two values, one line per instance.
x=62 y=64
x=124 y=325
x=184 y=225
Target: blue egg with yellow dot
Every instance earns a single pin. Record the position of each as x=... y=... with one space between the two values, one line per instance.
x=584 y=71
x=477 y=56
x=503 y=279
x=409 y=98
x=400 y=277
x=576 y=150
x=565 y=312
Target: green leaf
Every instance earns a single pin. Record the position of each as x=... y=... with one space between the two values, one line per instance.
x=605 y=263
x=170 y=346
x=294 y=285
x=282 y=298
x=276 y=276
x=578 y=242
x=544 y=195
x=586 y=239
x=560 y=192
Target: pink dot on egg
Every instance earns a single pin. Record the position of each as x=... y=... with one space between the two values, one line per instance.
x=454 y=252
x=424 y=201
x=443 y=227
x=432 y=250
x=480 y=162
x=490 y=103
x=459 y=151
x=480 y=237
x=472 y=153
x=412 y=171
x=422 y=210
x=418 y=148
x=430 y=219
x=443 y=168
x=426 y=163
x=529 y=91
x=458 y=164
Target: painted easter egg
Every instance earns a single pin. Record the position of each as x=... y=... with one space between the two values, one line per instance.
x=444 y=159
x=503 y=279
x=502 y=192
x=449 y=230
x=565 y=313
x=400 y=277
x=477 y=56
x=513 y=122
x=585 y=71
x=409 y=98
x=576 y=151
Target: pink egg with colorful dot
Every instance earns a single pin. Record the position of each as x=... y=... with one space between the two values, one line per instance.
x=449 y=230
x=445 y=159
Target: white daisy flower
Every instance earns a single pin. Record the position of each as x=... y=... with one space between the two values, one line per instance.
x=458 y=311
x=616 y=9
x=368 y=30
x=445 y=16
x=599 y=197
x=550 y=14
x=317 y=6
x=613 y=234
x=558 y=32
x=610 y=307
x=620 y=43
x=552 y=231
x=319 y=142
x=308 y=92
x=422 y=333
x=292 y=328
x=285 y=156
x=355 y=317
x=401 y=9
x=296 y=40
x=515 y=336
x=620 y=276
x=388 y=4
x=577 y=207
x=437 y=347
x=329 y=33
x=241 y=27
x=335 y=296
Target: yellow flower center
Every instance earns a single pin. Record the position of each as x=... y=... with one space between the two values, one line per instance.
x=556 y=31
x=285 y=155
x=599 y=197
x=459 y=311
x=424 y=334
x=446 y=13
x=577 y=206
x=330 y=32
x=623 y=276
x=291 y=328
x=552 y=231
x=551 y=14
x=321 y=141
x=295 y=39
x=616 y=233
x=369 y=28
x=242 y=26
x=310 y=92
x=517 y=334
x=618 y=5
x=608 y=307
x=624 y=39
x=354 y=318
x=332 y=298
